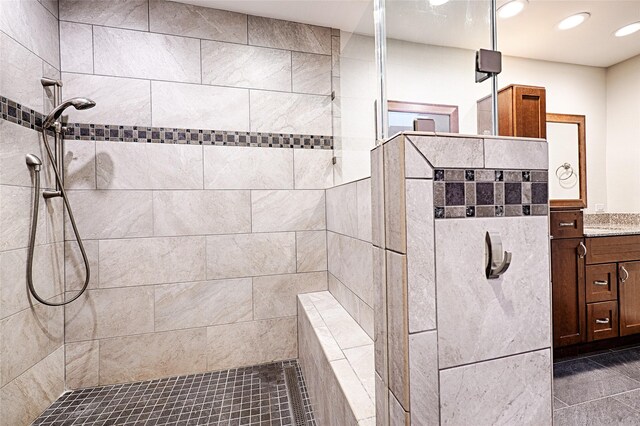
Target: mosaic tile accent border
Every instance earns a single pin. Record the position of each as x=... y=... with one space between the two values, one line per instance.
x=460 y=193
x=16 y=113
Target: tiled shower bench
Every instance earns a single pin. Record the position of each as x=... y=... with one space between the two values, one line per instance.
x=336 y=357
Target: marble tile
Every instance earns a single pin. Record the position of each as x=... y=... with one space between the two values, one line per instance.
x=170 y=353
x=398 y=331
x=507 y=391
x=397 y=415
x=251 y=343
x=15 y=222
x=104 y=313
x=423 y=378
x=74 y=268
x=158 y=57
x=366 y=320
x=51 y=5
x=557 y=404
x=363 y=188
x=584 y=380
x=631 y=398
x=33 y=26
x=199 y=22
x=275 y=295
x=48 y=276
x=80 y=164
x=361 y=361
x=395 y=196
x=28 y=337
x=626 y=362
x=442 y=151
x=311 y=73
x=287 y=210
x=382 y=402
x=144 y=166
x=111 y=214
x=237 y=65
x=499 y=317
x=380 y=309
x=313 y=169
x=29 y=395
x=201 y=107
x=82 y=364
x=21 y=73
x=416 y=166
x=16 y=142
x=607 y=411
x=347 y=299
x=377 y=197
x=248 y=168
x=182 y=212
x=289 y=35
x=515 y=154
x=311 y=251
x=345 y=330
x=357 y=397
x=158 y=260
x=351 y=261
x=49 y=71
x=246 y=255
x=122 y=101
x=204 y=303
x=315 y=324
x=277 y=112
x=342 y=209
x=76 y=47
x=421 y=269
x=132 y=14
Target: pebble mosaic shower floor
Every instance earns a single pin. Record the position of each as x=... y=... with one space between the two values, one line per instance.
x=245 y=396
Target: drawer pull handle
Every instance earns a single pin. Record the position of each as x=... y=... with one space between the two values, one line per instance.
x=602 y=321
x=601 y=282
x=624 y=274
x=582 y=250
x=567 y=224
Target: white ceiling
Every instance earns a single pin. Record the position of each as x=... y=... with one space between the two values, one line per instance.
x=465 y=24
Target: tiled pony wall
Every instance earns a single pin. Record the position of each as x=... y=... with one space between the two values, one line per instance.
x=197 y=181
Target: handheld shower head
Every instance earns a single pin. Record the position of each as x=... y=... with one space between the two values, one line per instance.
x=77 y=103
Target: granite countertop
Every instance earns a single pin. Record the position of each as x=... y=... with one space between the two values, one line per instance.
x=608 y=231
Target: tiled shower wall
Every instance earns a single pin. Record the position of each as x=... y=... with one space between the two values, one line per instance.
x=349 y=249
x=31 y=335
x=197 y=252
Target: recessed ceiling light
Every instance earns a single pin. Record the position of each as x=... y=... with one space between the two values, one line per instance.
x=438 y=2
x=573 y=21
x=628 y=29
x=511 y=8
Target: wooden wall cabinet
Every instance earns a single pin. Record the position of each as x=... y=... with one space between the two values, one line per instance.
x=522 y=112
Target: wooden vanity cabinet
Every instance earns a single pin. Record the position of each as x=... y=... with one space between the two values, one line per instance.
x=522 y=112
x=629 y=290
x=568 y=292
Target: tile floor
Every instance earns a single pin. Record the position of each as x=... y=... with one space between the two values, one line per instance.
x=245 y=396
x=599 y=389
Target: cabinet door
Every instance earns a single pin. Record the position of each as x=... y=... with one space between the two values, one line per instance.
x=530 y=112
x=568 y=291
x=629 y=296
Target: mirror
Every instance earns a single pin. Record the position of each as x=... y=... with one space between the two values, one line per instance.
x=567 y=160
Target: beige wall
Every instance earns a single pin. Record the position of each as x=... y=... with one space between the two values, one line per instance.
x=31 y=334
x=623 y=131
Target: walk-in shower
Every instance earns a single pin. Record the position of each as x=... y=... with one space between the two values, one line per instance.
x=52 y=123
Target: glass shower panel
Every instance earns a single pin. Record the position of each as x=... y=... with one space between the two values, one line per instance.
x=430 y=64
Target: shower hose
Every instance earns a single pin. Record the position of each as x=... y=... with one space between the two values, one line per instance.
x=34 y=225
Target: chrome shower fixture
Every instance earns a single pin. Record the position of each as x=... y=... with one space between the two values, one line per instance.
x=77 y=103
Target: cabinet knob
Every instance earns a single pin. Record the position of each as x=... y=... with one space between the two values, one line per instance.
x=624 y=274
x=602 y=320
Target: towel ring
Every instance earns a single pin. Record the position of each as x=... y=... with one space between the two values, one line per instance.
x=567 y=174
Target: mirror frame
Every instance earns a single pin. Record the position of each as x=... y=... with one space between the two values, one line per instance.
x=580 y=120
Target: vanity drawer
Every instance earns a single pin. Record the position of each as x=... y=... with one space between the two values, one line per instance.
x=613 y=249
x=566 y=224
x=602 y=283
x=602 y=320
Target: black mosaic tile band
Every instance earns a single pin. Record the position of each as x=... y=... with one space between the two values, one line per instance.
x=16 y=113
x=460 y=193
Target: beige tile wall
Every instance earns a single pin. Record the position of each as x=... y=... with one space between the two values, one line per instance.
x=190 y=273
x=349 y=250
x=31 y=334
x=187 y=66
